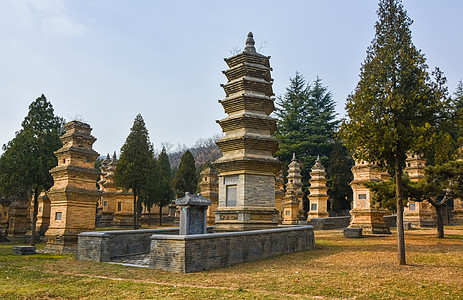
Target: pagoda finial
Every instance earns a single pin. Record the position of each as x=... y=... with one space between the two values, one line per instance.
x=107 y=157
x=318 y=157
x=114 y=156
x=294 y=157
x=250 y=44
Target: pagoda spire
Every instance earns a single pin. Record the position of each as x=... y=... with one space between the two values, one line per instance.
x=250 y=44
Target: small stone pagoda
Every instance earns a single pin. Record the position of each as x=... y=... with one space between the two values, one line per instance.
x=247 y=167
x=294 y=193
x=364 y=214
x=209 y=187
x=116 y=205
x=279 y=195
x=74 y=195
x=420 y=214
x=318 y=192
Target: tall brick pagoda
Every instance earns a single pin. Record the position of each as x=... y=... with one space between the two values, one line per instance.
x=318 y=192
x=364 y=214
x=247 y=167
x=74 y=195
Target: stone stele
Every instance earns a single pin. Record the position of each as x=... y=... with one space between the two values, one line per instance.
x=74 y=195
x=247 y=167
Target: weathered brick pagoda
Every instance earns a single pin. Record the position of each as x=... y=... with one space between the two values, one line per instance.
x=420 y=214
x=364 y=214
x=209 y=187
x=74 y=195
x=247 y=167
x=116 y=204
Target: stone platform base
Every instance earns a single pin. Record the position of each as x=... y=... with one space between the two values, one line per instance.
x=330 y=223
x=24 y=250
x=370 y=220
x=231 y=219
x=352 y=232
x=195 y=253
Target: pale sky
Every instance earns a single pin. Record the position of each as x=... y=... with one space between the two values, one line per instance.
x=105 y=61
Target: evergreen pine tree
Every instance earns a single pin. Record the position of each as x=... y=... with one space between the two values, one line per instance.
x=395 y=106
x=185 y=179
x=306 y=124
x=134 y=165
x=457 y=98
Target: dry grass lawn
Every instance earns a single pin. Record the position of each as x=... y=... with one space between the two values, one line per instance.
x=338 y=268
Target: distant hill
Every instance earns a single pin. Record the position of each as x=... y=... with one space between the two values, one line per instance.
x=204 y=150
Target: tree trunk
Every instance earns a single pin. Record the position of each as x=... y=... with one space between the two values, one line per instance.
x=400 y=212
x=134 y=209
x=34 y=217
x=440 y=210
x=160 y=215
x=149 y=217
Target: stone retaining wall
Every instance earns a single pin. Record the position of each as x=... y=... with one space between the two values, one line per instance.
x=195 y=253
x=391 y=220
x=104 y=245
x=330 y=223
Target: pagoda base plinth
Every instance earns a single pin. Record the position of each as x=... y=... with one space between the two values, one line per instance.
x=315 y=214
x=457 y=216
x=123 y=220
x=244 y=219
x=370 y=220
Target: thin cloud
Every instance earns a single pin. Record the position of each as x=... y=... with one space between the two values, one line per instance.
x=62 y=27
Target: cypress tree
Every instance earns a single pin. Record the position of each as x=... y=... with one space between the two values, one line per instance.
x=185 y=179
x=395 y=106
x=29 y=157
x=165 y=194
x=134 y=165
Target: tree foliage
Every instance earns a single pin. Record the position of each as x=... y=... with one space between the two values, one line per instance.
x=185 y=179
x=395 y=107
x=165 y=194
x=135 y=164
x=339 y=177
x=28 y=158
x=306 y=124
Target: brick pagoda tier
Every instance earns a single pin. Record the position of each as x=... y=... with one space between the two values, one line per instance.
x=294 y=193
x=117 y=205
x=364 y=214
x=420 y=214
x=318 y=192
x=74 y=195
x=247 y=167
x=209 y=187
